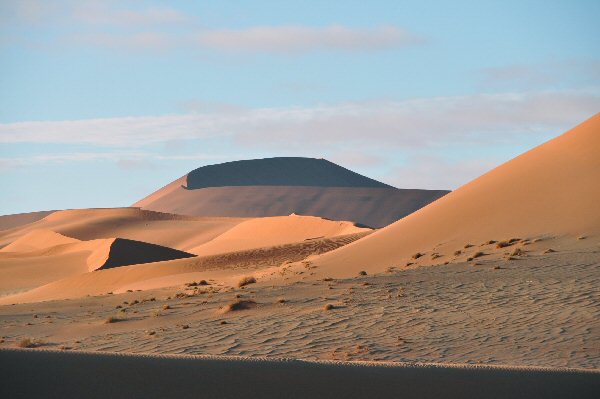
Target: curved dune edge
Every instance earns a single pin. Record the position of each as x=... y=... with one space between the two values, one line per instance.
x=38 y=239
x=170 y=230
x=277 y=230
x=129 y=375
x=226 y=267
x=551 y=190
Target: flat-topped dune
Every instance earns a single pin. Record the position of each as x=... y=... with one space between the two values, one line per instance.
x=226 y=377
x=282 y=186
x=551 y=190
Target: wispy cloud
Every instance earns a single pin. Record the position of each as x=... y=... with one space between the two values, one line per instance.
x=418 y=122
x=289 y=39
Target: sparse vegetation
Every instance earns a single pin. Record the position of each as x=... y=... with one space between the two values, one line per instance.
x=513 y=240
x=478 y=254
x=502 y=244
x=362 y=273
x=112 y=319
x=281 y=300
x=328 y=307
x=166 y=307
x=457 y=252
x=241 y=304
x=246 y=280
x=417 y=255
x=327 y=279
x=28 y=343
x=468 y=246
x=517 y=252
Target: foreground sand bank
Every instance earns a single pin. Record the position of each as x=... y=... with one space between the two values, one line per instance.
x=44 y=373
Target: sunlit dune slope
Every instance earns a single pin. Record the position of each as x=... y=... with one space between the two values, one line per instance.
x=551 y=190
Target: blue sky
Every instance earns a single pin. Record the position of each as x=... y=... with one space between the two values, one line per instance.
x=102 y=102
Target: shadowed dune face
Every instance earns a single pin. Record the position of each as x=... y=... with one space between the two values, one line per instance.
x=123 y=252
x=551 y=190
x=281 y=171
x=282 y=186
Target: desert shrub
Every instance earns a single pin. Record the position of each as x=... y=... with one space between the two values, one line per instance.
x=27 y=343
x=478 y=254
x=468 y=246
x=241 y=304
x=166 y=307
x=362 y=273
x=328 y=307
x=417 y=255
x=112 y=319
x=246 y=280
x=457 y=252
x=516 y=252
x=502 y=244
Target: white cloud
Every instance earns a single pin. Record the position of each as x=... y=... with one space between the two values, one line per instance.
x=410 y=123
x=290 y=39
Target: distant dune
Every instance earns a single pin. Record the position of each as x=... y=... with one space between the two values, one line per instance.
x=19 y=219
x=551 y=190
x=282 y=186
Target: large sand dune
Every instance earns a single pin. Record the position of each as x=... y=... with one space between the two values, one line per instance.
x=551 y=190
x=103 y=375
x=282 y=186
x=19 y=219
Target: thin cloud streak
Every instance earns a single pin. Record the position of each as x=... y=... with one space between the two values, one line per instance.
x=428 y=122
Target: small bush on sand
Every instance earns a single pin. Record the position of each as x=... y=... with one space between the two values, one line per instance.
x=513 y=240
x=457 y=252
x=362 y=273
x=417 y=255
x=281 y=300
x=516 y=252
x=246 y=280
x=241 y=304
x=327 y=279
x=166 y=307
x=27 y=343
x=112 y=319
x=478 y=254
x=468 y=246
x=502 y=244
x=328 y=307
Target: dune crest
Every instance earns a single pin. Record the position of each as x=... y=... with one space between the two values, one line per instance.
x=38 y=239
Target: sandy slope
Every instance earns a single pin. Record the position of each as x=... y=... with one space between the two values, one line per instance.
x=38 y=239
x=187 y=376
x=271 y=231
x=550 y=190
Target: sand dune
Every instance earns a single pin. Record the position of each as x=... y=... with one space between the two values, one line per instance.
x=282 y=186
x=38 y=239
x=175 y=231
x=225 y=377
x=20 y=219
x=551 y=190
x=271 y=231
x=227 y=267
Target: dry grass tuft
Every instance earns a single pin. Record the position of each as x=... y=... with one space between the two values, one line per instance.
x=328 y=307
x=166 y=307
x=112 y=319
x=468 y=246
x=246 y=280
x=513 y=240
x=417 y=255
x=241 y=304
x=478 y=254
x=28 y=343
x=517 y=252
x=457 y=252
x=502 y=244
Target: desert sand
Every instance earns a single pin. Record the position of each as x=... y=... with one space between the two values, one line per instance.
x=490 y=291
